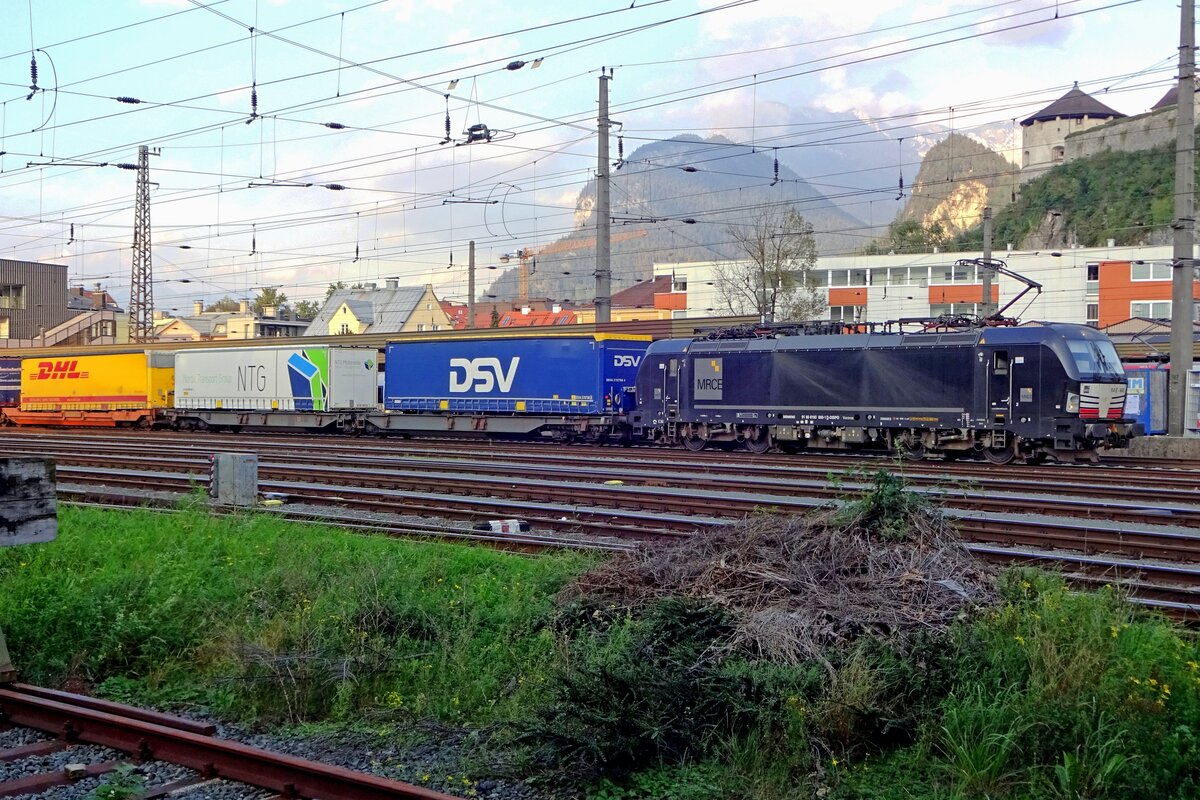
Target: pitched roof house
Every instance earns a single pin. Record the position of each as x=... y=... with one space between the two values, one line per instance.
x=392 y=309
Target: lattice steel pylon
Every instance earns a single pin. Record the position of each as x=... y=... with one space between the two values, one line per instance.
x=141 y=297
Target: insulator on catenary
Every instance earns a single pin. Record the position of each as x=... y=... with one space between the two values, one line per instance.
x=33 y=72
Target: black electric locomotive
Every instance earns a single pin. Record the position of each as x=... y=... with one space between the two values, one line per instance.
x=1024 y=391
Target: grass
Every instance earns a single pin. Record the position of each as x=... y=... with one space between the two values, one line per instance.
x=1047 y=695
x=268 y=620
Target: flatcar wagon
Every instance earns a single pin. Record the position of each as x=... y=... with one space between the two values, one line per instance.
x=306 y=387
x=125 y=389
x=1004 y=392
x=565 y=385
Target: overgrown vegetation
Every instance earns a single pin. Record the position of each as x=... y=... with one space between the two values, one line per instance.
x=860 y=653
x=1112 y=195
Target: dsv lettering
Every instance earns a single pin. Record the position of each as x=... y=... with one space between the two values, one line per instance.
x=58 y=370
x=482 y=374
x=626 y=361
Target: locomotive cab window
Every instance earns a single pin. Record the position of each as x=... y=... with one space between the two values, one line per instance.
x=673 y=367
x=1000 y=362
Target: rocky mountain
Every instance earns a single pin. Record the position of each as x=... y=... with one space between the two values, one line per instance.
x=672 y=201
x=959 y=176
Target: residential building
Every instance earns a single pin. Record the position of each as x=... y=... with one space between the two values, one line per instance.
x=204 y=326
x=1096 y=286
x=392 y=309
x=38 y=310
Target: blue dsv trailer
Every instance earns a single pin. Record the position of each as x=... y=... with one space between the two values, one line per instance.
x=576 y=374
x=10 y=381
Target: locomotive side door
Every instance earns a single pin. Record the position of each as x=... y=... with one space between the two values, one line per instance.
x=999 y=383
x=671 y=398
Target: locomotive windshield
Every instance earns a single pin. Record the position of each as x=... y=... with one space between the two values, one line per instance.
x=1095 y=359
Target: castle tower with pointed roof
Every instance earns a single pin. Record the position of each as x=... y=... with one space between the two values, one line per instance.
x=1043 y=135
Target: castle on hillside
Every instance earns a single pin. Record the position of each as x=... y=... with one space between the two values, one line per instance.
x=1077 y=125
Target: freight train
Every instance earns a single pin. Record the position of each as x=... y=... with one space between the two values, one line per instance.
x=1004 y=393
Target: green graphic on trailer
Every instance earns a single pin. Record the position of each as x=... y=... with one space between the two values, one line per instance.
x=308 y=371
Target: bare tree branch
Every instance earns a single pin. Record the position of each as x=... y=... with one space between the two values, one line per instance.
x=774 y=280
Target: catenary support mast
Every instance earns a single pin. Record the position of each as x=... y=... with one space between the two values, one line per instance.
x=141 y=297
x=603 y=215
x=1183 y=277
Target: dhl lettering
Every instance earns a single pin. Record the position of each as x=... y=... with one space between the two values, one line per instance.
x=58 y=370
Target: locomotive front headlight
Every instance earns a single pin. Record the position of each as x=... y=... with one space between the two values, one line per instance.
x=1072 y=403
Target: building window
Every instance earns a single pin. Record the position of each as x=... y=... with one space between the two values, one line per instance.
x=1150 y=271
x=1158 y=309
x=1057 y=153
x=679 y=283
x=4 y=334
x=955 y=274
x=1025 y=159
x=12 y=296
x=436 y=326
x=940 y=309
x=344 y=330
x=1093 y=278
x=1093 y=314
x=420 y=327
x=844 y=313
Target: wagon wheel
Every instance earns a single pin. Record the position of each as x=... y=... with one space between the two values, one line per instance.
x=1033 y=459
x=695 y=443
x=760 y=445
x=911 y=451
x=1000 y=455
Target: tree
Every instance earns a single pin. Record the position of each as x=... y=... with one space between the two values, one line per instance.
x=306 y=309
x=910 y=236
x=333 y=287
x=774 y=279
x=226 y=303
x=269 y=296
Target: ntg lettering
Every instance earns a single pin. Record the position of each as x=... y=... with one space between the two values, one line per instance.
x=482 y=374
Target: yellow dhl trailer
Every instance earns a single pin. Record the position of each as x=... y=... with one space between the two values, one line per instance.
x=123 y=389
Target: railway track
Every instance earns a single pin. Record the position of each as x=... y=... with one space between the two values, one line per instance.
x=1096 y=513
x=586 y=503
x=91 y=738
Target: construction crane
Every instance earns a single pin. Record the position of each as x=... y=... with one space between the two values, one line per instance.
x=529 y=255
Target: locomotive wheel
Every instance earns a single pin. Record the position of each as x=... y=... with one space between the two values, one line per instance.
x=758 y=446
x=695 y=443
x=999 y=455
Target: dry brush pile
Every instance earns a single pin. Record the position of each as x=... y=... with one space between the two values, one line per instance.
x=887 y=565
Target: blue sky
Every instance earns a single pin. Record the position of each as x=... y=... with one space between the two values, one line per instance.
x=753 y=70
